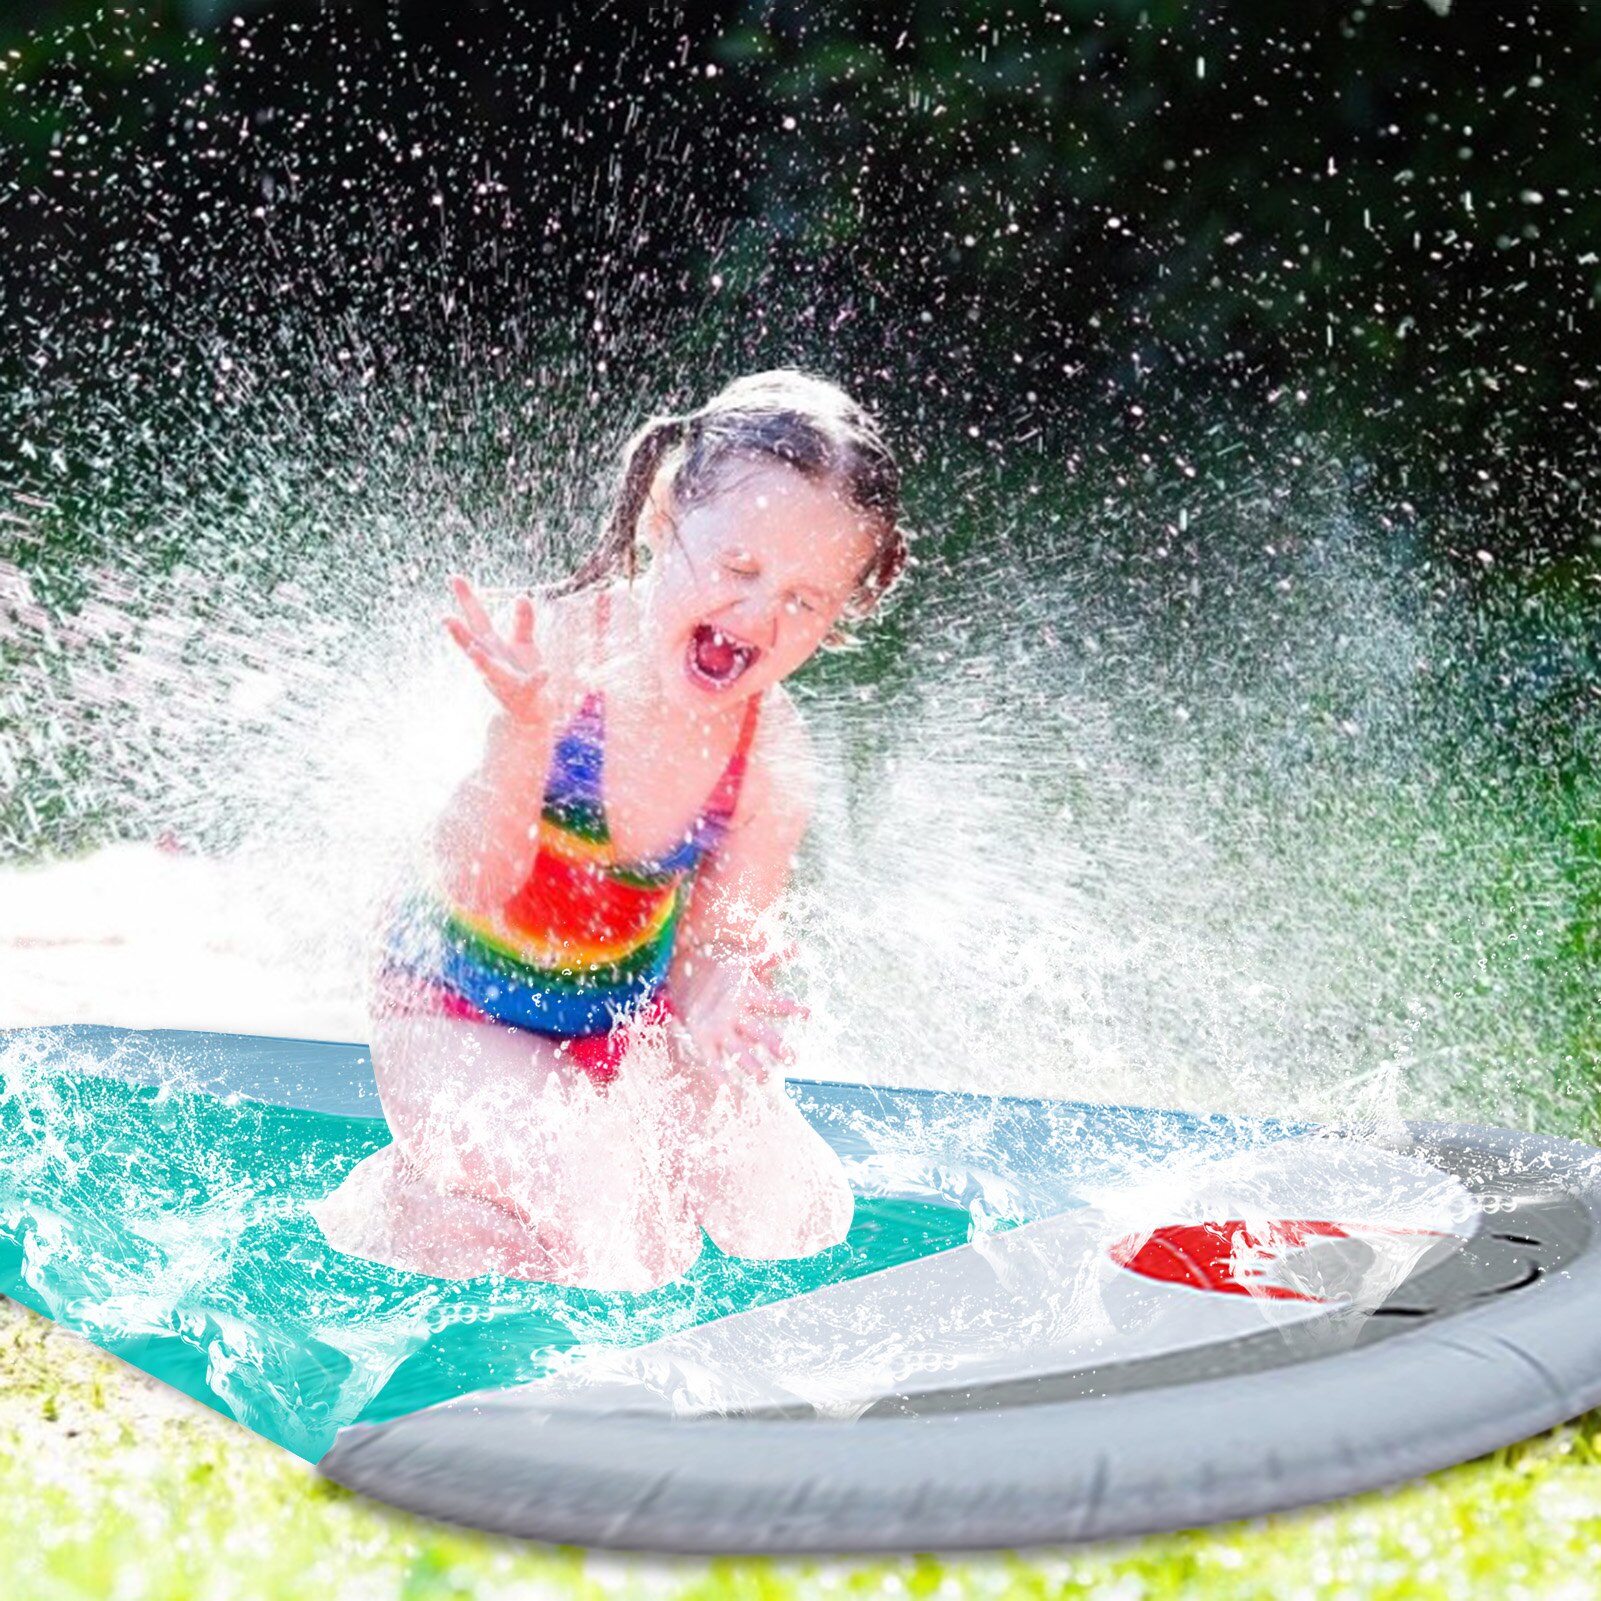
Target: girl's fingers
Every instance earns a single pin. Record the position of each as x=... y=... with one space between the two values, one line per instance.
x=743 y=1054
x=752 y=1064
x=768 y=1039
x=711 y=1043
x=490 y=667
x=460 y=632
x=468 y=640
x=472 y=607
x=522 y=628
x=519 y=689
x=773 y=960
x=772 y=1005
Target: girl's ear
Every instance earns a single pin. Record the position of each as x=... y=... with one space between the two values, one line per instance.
x=887 y=566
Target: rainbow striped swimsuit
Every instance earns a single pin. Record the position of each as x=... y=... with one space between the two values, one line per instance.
x=586 y=940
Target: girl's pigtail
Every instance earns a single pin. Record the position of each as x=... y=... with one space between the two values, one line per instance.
x=642 y=459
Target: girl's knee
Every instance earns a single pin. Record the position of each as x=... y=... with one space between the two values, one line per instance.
x=793 y=1211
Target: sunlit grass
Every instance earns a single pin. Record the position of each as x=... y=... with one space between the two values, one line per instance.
x=115 y=1485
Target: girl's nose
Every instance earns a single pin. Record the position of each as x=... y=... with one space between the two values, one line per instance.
x=757 y=620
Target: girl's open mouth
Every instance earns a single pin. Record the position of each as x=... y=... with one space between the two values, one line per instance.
x=717 y=658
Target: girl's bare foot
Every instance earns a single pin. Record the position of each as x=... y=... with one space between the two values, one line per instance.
x=386 y=1211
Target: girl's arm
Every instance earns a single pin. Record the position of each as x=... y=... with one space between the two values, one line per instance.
x=485 y=841
x=720 y=957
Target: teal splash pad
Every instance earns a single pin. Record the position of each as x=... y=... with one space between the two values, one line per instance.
x=170 y=1227
x=154 y=1189
x=1051 y=1320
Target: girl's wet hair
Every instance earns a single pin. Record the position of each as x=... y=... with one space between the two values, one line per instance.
x=805 y=422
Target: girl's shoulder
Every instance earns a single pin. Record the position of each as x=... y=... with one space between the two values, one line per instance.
x=780 y=767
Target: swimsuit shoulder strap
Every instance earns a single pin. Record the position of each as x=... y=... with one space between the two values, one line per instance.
x=725 y=797
x=747 y=731
x=572 y=799
x=585 y=725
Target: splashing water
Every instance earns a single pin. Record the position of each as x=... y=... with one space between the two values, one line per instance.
x=1176 y=778
x=1060 y=852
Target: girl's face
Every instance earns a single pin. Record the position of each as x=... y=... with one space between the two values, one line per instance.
x=747 y=584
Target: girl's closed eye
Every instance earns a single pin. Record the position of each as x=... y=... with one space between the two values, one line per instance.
x=795 y=601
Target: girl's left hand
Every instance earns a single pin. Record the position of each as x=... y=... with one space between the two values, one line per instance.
x=726 y=1007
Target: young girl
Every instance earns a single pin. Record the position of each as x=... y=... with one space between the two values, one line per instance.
x=574 y=1025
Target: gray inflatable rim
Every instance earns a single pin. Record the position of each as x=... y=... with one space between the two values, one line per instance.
x=1080 y=1469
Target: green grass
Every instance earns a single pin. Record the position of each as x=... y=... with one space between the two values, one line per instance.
x=116 y=1486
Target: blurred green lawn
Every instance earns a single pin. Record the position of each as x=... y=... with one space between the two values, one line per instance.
x=116 y=1486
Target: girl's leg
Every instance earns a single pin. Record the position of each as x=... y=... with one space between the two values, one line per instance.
x=488 y=1116
x=385 y=1211
x=767 y=1183
x=413 y=1205
x=632 y=1224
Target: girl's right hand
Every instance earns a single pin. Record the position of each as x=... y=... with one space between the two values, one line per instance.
x=511 y=666
x=728 y=1011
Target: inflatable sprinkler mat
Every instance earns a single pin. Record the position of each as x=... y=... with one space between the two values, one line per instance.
x=1051 y=1321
